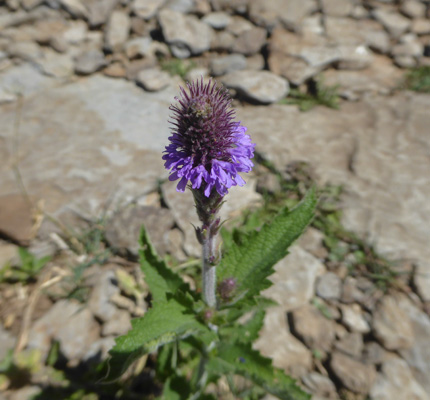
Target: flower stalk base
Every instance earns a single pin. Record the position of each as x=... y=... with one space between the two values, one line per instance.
x=207 y=210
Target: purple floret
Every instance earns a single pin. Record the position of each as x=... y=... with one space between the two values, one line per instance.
x=207 y=148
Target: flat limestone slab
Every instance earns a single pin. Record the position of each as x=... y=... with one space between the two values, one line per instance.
x=378 y=149
x=84 y=144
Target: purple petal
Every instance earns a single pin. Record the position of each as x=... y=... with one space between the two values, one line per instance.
x=182 y=185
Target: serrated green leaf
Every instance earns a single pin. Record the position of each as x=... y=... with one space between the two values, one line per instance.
x=159 y=277
x=164 y=366
x=164 y=323
x=250 y=258
x=241 y=359
x=247 y=332
x=176 y=388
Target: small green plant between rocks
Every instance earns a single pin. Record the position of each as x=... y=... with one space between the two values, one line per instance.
x=418 y=79
x=27 y=269
x=317 y=93
x=177 y=66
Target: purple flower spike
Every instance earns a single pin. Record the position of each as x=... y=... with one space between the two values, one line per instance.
x=207 y=148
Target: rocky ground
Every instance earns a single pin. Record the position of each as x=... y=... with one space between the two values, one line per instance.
x=84 y=93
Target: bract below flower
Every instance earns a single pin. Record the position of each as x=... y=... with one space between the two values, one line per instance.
x=207 y=148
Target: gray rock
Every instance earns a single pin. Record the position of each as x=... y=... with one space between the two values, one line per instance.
x=153 y=79
x=8 y=256
x=418 y=355
x=40 y=248
x=422 y=282
x=250 y=41
x=89 y=62
x=44 y=31
x=350 y=291
x=294 y=279
x=260 y=86
x=359 y=12
x=352 y=157
x=238 y=25
x=117 y=30
x=119 y=324
x=378 y=78
x=185 y=34
x=182 y=6
x=295 y=70
x=147 y=9
x=391 y=325
x=16 y=218
x=396 y=382
x=13 y=4
x=110 y=160
x=6 y=97
x=353 y=318
x=30 y=4
x=337 y=8
x=299 y=58
x=197 y=73
x=374 y=353
x=405 y=61
x=316 y=331
x=99 y=11
x=123 y=230
x=135 y=66
x=319 y=384
x=255 y=62
x=6 y=338
x=409 y=46
x=313 y=25
x=421 y=26
x=312 y=241
x=202 y=7
x=377 y=40
x=329 y=286
x=70 y=324
x=393 y=22
x=176 y=244
x=222 y=41
x=353 y=375
x=232 y=6
x=270 y=13
x=217 y=20
x=413 y=9
x=23 y=17
x=344 y=31
x=76 y=8
x=99 y=349
x=27 y=50
x=226 y=64
x=115 y=70
x=56 y=65
x=351 y=344
x=105 y=288
x=277 y=343
x=76 y=32
x=138 y=47
x=354 y=57
x=24 y=79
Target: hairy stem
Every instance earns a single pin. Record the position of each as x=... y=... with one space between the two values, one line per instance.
x=209 y=271
x=207 y=209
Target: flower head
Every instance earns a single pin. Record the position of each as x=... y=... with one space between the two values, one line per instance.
x=207 y=147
